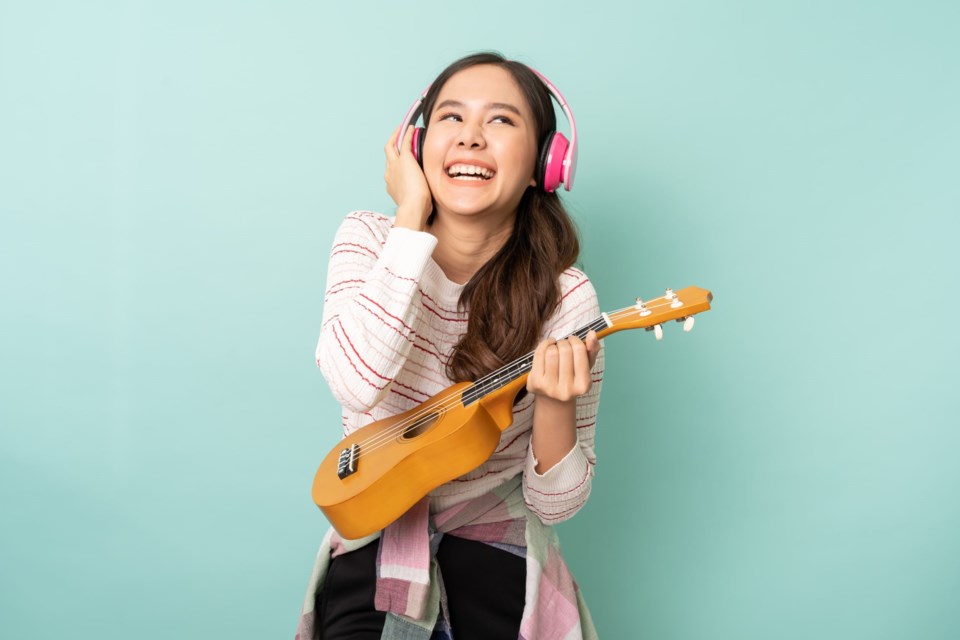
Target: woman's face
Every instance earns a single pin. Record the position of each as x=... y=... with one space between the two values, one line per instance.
x=480 y=150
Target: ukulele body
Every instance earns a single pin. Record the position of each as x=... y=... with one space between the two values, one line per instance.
x=402 y=458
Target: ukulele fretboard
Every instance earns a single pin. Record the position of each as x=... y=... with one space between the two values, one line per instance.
x=508 y=373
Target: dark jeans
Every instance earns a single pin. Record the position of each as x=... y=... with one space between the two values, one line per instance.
x=485 y=589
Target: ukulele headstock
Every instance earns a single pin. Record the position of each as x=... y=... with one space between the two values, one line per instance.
x=679 y=305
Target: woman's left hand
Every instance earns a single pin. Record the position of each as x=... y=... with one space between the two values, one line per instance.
x=561 y=369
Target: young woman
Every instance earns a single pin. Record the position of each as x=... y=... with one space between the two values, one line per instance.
x=474 y=271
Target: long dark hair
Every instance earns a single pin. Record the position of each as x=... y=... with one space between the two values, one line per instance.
x=511 y=296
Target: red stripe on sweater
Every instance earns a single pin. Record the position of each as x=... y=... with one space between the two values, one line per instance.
x=432 y=344
x=373 y=313
x=332 y=292
x=398 y=276
x=360 y=358
x=347 y=356
x=384 y=322
x=415 y=390
x=561 y=493
x=369 y=214
x=579 y=284
x=377 y=304
x=507 y=446
x=431 y=310
x=374 y=232
x=403 y=395
x=353 y=244
x=337 y=284
x=339 y=251
x=439 y=306
x=557 y=516
x=439 y=358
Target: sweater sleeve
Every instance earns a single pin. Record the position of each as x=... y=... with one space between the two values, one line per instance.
x=370 y=307
x=559 y=493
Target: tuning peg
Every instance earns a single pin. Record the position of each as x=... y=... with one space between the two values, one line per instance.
x=674 y=300
x=688 y=324
x=642 y=308
x=657 y=331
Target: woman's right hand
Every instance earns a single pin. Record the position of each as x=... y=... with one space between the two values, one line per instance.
x=406 y=183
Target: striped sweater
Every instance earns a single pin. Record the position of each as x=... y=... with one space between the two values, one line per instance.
x=390 y=321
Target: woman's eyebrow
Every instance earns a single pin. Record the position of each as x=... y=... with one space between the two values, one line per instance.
x=490 y=105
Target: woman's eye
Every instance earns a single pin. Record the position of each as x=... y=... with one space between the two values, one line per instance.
x=455 y=117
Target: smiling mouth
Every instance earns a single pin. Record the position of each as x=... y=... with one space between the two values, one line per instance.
x=469 y=172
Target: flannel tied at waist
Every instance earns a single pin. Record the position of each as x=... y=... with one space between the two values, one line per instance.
x=409 y=584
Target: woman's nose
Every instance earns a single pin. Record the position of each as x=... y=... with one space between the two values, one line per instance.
x=470 y=135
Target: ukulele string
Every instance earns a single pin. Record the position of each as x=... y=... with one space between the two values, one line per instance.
x=451 y=400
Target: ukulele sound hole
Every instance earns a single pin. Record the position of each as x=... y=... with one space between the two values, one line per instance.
x=419 y=427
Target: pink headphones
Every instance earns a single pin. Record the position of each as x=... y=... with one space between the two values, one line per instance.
x=557 y=162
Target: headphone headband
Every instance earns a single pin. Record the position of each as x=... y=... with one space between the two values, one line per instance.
x=558 y=163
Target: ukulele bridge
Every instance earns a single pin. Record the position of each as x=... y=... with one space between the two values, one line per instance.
x=348 y=461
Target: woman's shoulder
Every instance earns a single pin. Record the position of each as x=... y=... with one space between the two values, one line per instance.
x=366 y=224
x=575 y=284
x=578 y=303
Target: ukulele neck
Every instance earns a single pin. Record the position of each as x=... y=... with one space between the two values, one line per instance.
x=508 y=373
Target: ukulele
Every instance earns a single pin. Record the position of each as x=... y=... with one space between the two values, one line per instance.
x=374 y=475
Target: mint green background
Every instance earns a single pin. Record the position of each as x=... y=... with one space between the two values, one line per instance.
x=171 y=176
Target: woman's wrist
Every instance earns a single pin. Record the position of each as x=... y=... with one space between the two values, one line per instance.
x=412 y=216
x=554 y=431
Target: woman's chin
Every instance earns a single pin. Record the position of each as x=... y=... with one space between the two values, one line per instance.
x=454 y=209
x=463 y=204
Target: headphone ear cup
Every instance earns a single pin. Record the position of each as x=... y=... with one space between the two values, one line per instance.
x=542 y=161
x=419 y=134
x=552 y=158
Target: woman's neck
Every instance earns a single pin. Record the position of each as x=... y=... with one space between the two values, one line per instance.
x=466 y=243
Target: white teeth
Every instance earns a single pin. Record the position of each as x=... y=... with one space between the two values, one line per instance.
x=471 y=170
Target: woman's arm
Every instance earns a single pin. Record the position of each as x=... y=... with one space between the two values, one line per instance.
x=371 y=306
x=560 y=460
x=560 y=375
